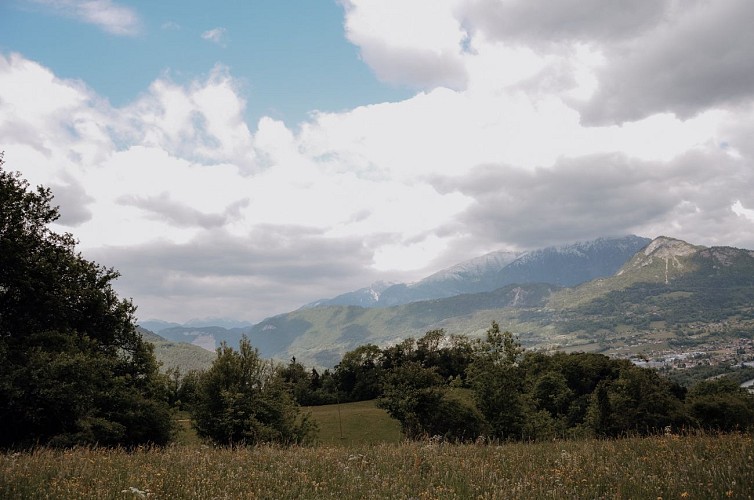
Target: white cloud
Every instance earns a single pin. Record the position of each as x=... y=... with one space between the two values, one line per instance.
x=197 y=209
x=216 y=35
x=202 y=122
x=424 y=45
x=105 y=14
x=742 y=211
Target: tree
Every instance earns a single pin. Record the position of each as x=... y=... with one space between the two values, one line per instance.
x=242 y=399
x=638 y=401
x=721 y=405
x=73 y=368
x=306 y=385
x=497 y=382
x=359 y=373
x=420 y=400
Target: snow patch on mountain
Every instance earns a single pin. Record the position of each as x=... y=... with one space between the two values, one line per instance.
x=474 y=268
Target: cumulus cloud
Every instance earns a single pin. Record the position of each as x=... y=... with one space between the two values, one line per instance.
x=105 y=14
x=203 y=121
x=590 y=196
x=643 y=58
x=423 y=45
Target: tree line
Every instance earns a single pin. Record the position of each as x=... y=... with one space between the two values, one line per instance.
x=461 y=388
x=74 y=370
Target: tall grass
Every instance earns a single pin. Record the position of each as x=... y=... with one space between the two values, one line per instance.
x=667 y=467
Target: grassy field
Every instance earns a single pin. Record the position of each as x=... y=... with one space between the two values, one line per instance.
x=660 y=467
x=348 y=424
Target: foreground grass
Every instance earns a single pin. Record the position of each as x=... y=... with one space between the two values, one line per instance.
x=667 y=467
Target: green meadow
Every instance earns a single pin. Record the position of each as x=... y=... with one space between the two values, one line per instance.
x=359 y=454
x=359 y=423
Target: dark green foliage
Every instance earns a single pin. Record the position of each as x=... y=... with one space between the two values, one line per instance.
x=242 y=399
x=639 y=401
x=721 y=405
x=359 y=373
x=691 y=376
x=497 y=382
x=308 y=387
x=420 y=400
x=73 y=368
x=515 y=395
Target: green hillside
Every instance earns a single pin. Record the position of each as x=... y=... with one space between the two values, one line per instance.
x=182 y=355
x=669 y=295
x=320 y=336
x=678 y=294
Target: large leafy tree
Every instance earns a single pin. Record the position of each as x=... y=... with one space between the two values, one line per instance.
x=359 y=373
x=496 y=378
x=73 y=369
x=243 y=399
x=422 y=402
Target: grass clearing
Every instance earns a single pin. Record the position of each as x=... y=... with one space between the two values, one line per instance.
x=348 y=424
x=668 y=467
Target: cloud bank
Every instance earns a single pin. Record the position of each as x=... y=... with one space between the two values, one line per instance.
x=532 y=124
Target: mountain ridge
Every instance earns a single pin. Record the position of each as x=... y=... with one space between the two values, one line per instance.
x=640 y=303
x=564 y=265
x=668 y=293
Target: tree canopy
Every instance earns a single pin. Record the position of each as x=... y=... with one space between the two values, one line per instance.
x=73 y=369
x=243 y=399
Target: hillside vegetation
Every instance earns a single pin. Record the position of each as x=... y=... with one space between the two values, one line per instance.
x=177 y=355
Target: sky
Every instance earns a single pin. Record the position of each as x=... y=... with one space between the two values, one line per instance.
x=242 y=159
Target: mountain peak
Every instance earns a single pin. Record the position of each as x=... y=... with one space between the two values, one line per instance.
x=665 y=247
x=661 y=260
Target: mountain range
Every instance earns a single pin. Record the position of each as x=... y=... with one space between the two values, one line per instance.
x=667 y=295
x=564 y=266
x=611 y=295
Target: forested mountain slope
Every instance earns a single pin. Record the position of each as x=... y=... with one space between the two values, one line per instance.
x=670 y=293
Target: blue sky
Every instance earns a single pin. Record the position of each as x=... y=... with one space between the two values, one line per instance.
x=243 y=159
x=290 y=56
